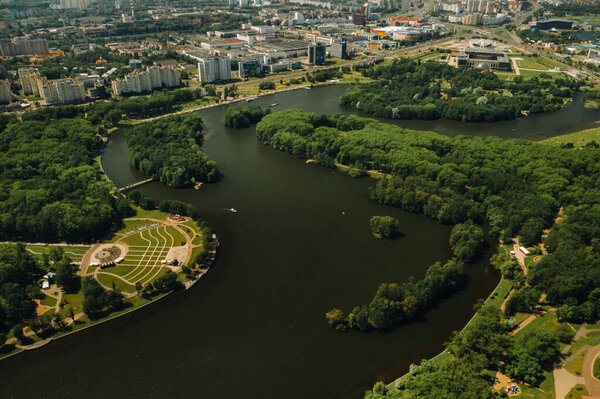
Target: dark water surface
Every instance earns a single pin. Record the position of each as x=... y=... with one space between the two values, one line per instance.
x=254 y=326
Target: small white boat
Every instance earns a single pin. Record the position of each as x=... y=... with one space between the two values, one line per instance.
x=232 y=210
x=274 y=105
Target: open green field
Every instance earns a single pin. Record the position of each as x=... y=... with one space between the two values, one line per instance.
x=579 y=139
x=75 y=252
x=575 y=365
x=577 y=392
x=597 y=368
x=108 y=281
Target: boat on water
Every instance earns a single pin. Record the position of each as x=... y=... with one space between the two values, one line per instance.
x=274 y=104
x=232 y=210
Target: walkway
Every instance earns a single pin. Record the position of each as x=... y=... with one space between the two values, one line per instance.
x=592 y=383
x=564 y=382
x=516 y=65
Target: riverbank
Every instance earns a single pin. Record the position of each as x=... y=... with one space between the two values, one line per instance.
x=135 y=267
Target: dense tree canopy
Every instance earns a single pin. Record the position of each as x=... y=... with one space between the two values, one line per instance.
x=466 y=241
x=384 y=226
x=50 y=189
x=514 y=185
x=241 y=117
x=169 y=150
x=408 y=89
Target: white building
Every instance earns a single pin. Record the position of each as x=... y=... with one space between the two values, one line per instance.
x=214 y=69
x=243 y=3
x=145 y=81
x=29 y=77
x=79 y=4
x=5 y=93
x=61 y=91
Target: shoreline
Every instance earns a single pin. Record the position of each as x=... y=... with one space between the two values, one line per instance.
x=187 y=285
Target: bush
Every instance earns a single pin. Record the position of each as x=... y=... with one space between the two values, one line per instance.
x=384 y=226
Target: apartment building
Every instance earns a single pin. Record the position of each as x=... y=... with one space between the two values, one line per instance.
x=216 y=69
x=145 y=81
x=10 y=48
x=5 y=93
x=29 y=77
x=61 y=91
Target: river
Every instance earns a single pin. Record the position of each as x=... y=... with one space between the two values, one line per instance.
x=299 y=245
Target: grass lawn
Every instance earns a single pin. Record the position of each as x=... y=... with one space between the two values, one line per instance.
x=153 y=214
x=597 y=368
x=530 y=63
x=575 y=365
x=500 y=293
x=134 y=224
x=75 y=252
x=75 y=300
x=108 y=280
x=546 y=322
x=48 y=301
x=579 y=139
x=545 y=391
x=178 y=238
x=591 y=339
x=577 y=392
x=195 y=252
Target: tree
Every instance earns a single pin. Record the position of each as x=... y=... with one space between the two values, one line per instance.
x=384 y=226
x=17 y=332
x=268 y=85
x=335 y=318
x=94 y=299
x=466 y=241
x=138 y=287
x=66 y=275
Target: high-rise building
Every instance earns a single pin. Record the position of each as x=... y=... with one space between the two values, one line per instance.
x=5 y=93
x=339 y=50
x=316 y=54
x=79 y=4
x=216 y=69
x=62 y=91
x=145 y=81
x=29 y=78
x=243 y=3
x=9 y=48
x=233 y=3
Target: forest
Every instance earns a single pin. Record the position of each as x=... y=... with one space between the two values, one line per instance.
x=515 y=186
x=242 y=117
x=50 y=189
x=407 y=89
x=168 y=149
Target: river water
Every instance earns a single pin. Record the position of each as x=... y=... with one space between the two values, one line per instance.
x=299 y=245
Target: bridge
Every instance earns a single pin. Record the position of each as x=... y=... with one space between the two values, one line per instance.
x=134 y=185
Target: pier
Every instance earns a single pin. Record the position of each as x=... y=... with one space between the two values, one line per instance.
x=134 y=185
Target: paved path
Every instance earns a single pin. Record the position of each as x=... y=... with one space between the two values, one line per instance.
x=591 y=382
x=516 y=65
x=564 y=382
x=520 y=256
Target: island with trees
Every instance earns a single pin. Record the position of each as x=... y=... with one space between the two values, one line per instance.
x=242 y=117
x=384 y=226
x=407 y=89
x=168 y=149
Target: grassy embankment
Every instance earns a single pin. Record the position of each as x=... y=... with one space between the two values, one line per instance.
x=578 y=139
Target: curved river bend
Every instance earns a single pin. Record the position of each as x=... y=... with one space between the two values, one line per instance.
x=254 y=327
